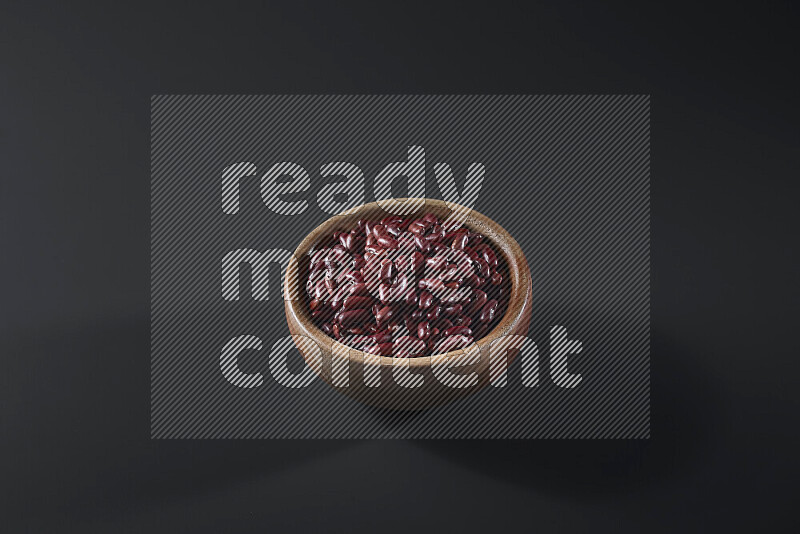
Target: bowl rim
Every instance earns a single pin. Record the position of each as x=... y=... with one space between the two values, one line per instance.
x=519 y=298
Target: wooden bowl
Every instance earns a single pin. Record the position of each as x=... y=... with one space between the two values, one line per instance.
x=333 y=359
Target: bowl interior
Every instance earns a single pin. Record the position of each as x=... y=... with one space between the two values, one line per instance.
x=519 y=282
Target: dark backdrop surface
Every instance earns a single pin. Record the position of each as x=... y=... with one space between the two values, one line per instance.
x=75 y=87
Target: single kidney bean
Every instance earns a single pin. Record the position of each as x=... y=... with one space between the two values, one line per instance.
x=359 y=288
x=460 y=242
x=434 y=313
x=347 y=240
x=488 y=311
x=425 y=300
x=488 y=255
x=384 y=314
x=479 y=301
x=388 y=270
x=483 y=268
x=382 y=336
x=351 y=317
x=453 y=330
x=422 y=244
x=388 y=242
x=354 y=301
x=462 y=320
x=410 y=344
x=417 y=227
x=454 y=309
x=444 y=324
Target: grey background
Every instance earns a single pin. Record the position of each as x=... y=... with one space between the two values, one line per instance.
x=75 y=91
x=567 y=176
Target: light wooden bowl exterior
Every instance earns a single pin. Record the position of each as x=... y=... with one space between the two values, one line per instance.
x=432 y=392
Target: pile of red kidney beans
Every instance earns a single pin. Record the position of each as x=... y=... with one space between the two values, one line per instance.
x=406 y=287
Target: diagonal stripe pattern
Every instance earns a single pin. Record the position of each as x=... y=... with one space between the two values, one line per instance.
x=567 y=176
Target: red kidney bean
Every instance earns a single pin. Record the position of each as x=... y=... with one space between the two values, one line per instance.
x=462 y=320
x=351 y=317
x=424 y=330
x=393 y=219
x=436 y=263
x=346 y=240
x=401 y=284
x=481 y=330
x=434 y=313
x=453 y=234
x=383 y=336
x=479 y=301
x=449 y=273
x=454 y=309
x=354 y=301
x=384 y=314
x=488 y=311
x=384 y=292
x=330 y=285
x=483 y=268
x=422 y=244
x=450 y=343
x=430 y=283
x=444 y=324
x=317 y=266
x=488 y=255
x=425 y=300
x=388 y=242
x=386 y=257
x=419 y=260
x=460 y=242
x=359 y=288
x=323 y=314
x=393 y=229
x=359 y=342
x=417 y=227
x=388 y=270
x=453 y=330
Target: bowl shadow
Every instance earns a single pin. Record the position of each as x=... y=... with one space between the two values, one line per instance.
x=684 y=413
